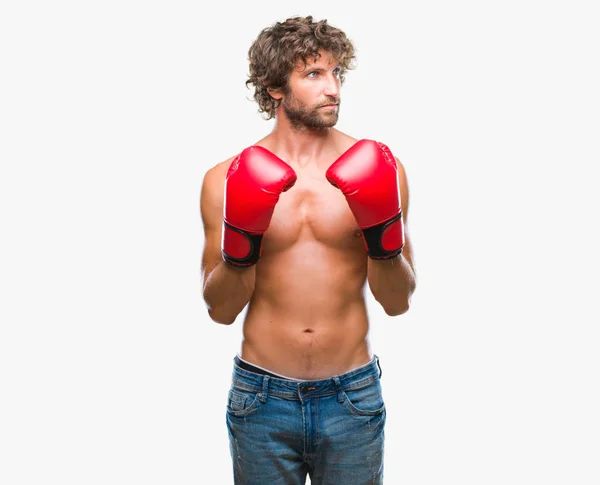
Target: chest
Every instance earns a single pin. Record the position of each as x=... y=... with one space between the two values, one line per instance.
x=312 y=210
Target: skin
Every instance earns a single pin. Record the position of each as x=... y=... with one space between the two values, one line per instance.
x=307 y=315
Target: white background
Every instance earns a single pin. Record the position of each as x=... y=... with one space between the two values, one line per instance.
x=111 y=112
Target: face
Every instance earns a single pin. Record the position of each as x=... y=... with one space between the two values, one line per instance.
x=312 y=98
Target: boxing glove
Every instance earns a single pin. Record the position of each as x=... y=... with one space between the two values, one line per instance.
x=253 y=184
x=367 y=175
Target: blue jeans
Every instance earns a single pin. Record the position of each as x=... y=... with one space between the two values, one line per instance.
x=331 y=429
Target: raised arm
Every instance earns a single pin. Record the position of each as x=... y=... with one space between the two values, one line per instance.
x=226 y=289
x=238 y=198
x=374 y=183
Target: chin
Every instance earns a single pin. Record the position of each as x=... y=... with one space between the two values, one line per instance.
x=329 y=122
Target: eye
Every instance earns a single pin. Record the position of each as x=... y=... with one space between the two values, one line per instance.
x=310 y=74
x=337 y=71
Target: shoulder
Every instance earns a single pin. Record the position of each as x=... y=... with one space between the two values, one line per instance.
x=402 y=179
x=219 y=170
x=213 y=184
x=216 y=173
x=402 y=184
x=343 y=141
x=399 y=165
x=401 y=169
x=348 y=141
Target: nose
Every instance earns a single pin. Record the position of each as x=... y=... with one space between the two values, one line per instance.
x=332 y=88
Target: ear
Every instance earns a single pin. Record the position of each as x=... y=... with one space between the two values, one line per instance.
x=275 y=93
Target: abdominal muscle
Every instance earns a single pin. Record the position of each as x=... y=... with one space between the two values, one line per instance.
x=307 y=318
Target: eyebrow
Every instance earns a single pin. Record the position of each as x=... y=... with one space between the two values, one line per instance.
x=320 y=69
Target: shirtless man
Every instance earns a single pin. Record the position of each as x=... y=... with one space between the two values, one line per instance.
x=295 y=225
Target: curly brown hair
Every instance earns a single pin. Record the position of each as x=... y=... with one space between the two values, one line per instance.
x=279 y=48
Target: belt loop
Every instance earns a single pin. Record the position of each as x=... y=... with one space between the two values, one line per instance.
x=265 y=389
x=379 y=365
x=338 y=385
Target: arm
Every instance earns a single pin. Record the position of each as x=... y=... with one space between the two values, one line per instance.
x=393 y=281
x=226 y=289
x=237 y=207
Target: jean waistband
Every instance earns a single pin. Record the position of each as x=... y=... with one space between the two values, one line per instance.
x=354 y=379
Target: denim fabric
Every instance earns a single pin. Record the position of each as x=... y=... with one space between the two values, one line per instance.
x=332 y=429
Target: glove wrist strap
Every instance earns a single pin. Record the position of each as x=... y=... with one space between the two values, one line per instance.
x=240 y=242
x=392 y=231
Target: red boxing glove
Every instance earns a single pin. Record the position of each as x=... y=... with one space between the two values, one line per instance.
x=367 y=175
x=253 y=183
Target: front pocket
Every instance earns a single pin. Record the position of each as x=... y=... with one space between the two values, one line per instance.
x=241 y=402
x=236 y=401
x=367 y=401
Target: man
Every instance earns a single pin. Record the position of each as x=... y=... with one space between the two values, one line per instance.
x=294 y=226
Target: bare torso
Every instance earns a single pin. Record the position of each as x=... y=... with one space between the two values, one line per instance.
x=307 y=318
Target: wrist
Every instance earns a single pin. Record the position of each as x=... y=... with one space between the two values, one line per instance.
x=240 y=248
x=385 y=240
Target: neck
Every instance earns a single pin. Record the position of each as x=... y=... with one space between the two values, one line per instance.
x=302 y=145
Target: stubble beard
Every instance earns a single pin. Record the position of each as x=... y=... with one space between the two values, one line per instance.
x=303 y=118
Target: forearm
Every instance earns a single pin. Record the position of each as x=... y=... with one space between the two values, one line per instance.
x=392 y=282
x=227 y=291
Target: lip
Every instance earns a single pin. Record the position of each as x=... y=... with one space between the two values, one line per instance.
x=329 y=106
